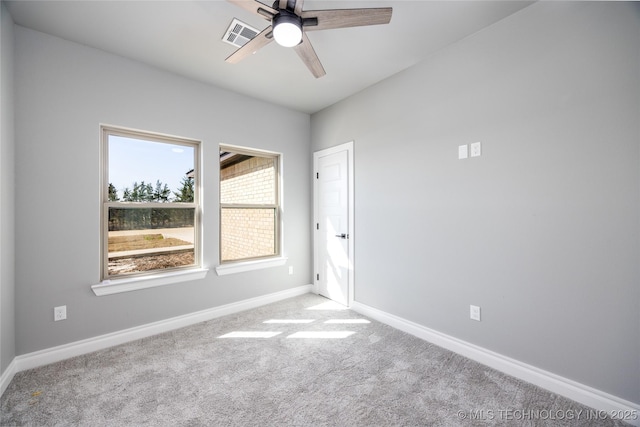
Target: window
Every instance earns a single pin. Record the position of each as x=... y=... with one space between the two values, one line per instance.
x=249 y=204
x=150 y=214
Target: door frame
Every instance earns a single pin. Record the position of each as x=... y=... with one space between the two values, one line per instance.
x=348 y=147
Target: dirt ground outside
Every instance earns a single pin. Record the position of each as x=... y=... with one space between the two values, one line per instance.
x=151 y=262
x=153 y=259
x=183 y=233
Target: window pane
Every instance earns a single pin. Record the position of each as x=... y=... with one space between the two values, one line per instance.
x=247 y=233
x=144 y=239
x=247 y=179
x=150 y=196
x=148 y=171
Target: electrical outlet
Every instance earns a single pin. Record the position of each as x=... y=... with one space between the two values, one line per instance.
x=476 y=149
x=60 y=313
x=463 y=151
x=290 y=269
x=474 y=312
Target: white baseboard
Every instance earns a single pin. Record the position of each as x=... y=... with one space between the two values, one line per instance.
x=7 y=376
x=78 y=348
x=578 y=392
x=573 y=390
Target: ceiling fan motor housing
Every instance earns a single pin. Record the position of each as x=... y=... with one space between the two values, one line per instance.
x=287 y=28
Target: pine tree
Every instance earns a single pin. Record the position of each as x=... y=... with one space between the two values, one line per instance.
x=135 y=193
x=185 y=193
x=113 y=193
x=161 y=193
x=142 y=192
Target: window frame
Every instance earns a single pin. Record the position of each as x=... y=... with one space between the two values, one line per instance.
x=157 y=275
x=252 y=263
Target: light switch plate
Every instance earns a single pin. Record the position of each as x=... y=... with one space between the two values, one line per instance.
x=463 y=151
x=476 y=149
x=474 y=312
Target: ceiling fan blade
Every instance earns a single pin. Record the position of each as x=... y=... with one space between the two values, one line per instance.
x=254 y=6
x=343 y=18
x=283 y=4
x=264 y=38
x=298 y=7
x=308 y=55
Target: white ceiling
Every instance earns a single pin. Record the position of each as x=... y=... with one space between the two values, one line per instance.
x=185 y=37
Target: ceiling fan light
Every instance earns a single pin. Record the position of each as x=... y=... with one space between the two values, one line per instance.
x=287 y=29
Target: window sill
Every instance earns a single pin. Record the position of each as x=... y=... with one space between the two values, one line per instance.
x=109 y=287
x=242 y=266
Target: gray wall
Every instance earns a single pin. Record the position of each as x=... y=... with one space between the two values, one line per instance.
x=7 y=271
x=543 y=230
x=63 y=92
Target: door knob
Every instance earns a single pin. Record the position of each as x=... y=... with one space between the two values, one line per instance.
x=342 y=236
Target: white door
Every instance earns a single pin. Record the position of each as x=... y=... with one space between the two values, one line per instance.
x=333 y=233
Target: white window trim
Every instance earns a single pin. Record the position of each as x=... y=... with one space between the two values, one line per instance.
x=157 y=277
x=242 y=266
x=116 y=286
x=232 y=267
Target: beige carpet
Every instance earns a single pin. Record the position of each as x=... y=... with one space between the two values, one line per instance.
x=298 y=362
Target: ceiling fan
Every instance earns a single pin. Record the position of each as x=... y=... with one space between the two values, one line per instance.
x=289 y=24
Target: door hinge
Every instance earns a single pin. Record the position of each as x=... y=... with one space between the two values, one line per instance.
x=317 y=175
x=318 y=276
x=317 y=226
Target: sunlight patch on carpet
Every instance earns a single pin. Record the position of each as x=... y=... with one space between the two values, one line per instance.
x=289 y=321
x=321 y=334
x=250 y=334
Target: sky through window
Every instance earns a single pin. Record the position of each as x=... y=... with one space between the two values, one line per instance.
x=135 y=160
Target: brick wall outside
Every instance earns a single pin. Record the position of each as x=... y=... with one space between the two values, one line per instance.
x=248 y=233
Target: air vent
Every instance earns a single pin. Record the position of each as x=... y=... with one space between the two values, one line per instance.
x=239 y=33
